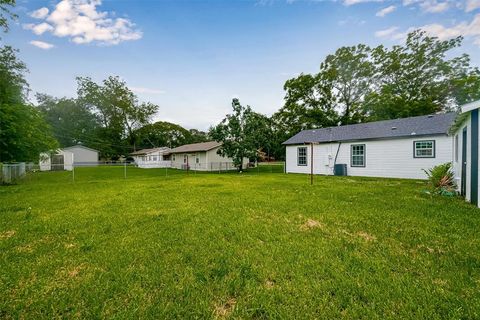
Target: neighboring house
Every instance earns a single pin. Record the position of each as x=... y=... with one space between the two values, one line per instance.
x=66 y=158
x=201 y=156
x=152 y=158
x=399 y=148
x=466 y=152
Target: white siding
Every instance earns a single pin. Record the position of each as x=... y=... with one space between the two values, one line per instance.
x=46 y=164
x=457 y=165
x=391 y=158
x=207 y=161
x=83 y=155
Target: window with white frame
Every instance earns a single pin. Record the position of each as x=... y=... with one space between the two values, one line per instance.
x=302 y=156
x=424 y=149
x=357 y=155
x=185 y=158
x=197 y=159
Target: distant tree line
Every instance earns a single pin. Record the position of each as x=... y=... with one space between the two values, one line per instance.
x=355 y=84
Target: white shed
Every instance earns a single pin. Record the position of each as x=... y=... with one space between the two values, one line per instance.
x=56 y=161
x=83 y=156
x=65 y=159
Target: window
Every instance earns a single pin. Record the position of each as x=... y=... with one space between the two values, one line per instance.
x=357 y=153
x=302 y=156
x=456 y=148
x=197 y=159
x=185 y=158
x=154 y=158
x=424 y=149
x=173 y=157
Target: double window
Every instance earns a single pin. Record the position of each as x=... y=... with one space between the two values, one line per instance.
x=357 y=155
x=302 y=156
x=424 y=149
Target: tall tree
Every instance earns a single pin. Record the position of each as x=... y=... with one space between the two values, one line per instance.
x=347 y=75
x=71 y=122
x=5 y=13
x=118 y=110
x=417 y=78
x=307 y=105
x=163 y=134
x=23 y=131
x=240 y=133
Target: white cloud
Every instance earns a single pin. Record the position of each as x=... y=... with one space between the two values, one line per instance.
x=385 y=11
x=41 y=44
x=433 y=6
x=40 y=13
x=80 y=21
x=466 y=29
x=38 y=29
x=352 y=2
x=147 y=90
x=472 y=5
x=389 y=33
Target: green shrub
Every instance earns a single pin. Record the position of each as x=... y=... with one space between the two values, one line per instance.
x=441 y=179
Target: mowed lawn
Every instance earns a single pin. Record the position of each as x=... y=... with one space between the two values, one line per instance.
x=253 y=246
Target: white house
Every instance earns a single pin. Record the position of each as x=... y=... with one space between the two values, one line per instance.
x=399 y=148
x=152 y=158
x=202 y=157
x=465 y=155
x=66 y=158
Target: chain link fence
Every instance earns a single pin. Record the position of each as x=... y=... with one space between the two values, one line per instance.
x=123 y=170
x=12 y=173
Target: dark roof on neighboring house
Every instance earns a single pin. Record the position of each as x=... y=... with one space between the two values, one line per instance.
x=435 y=124
x=80 y=146
x=195 y=147
x=147 y=151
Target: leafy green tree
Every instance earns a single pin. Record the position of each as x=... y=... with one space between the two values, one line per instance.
x=119 y=112
x=198 y=136
x=24 y=134
x=307 y=105
x=71 y=122
x=163 y=134
x=240 y=134
x=417 y=79
x=23 y=131
x=5 y=13
x=13 y=86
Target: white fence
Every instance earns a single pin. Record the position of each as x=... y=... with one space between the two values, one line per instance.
x=13 y=172
x=153 y=164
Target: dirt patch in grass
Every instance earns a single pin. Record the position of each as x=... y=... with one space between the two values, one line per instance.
x=224 y=310
x=311 y=224
x=366 y=236
x=7 y=234
x=269 y=284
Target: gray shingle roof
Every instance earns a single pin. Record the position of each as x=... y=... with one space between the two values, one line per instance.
x=414 y=126
x=194 y=147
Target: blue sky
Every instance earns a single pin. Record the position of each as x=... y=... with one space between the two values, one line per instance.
x=192 y=57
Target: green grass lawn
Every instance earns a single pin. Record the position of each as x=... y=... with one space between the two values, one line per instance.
x=233 y=245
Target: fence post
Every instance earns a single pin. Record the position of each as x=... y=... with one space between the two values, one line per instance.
x=73 y=169
x=125 y=169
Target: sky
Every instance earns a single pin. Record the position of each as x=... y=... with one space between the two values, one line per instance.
x=192 y=57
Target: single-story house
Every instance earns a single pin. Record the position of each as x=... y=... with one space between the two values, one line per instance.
x=399 y=148
x=202 y=157
x=66 y=158
x=152 y=158
x=466 y=153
